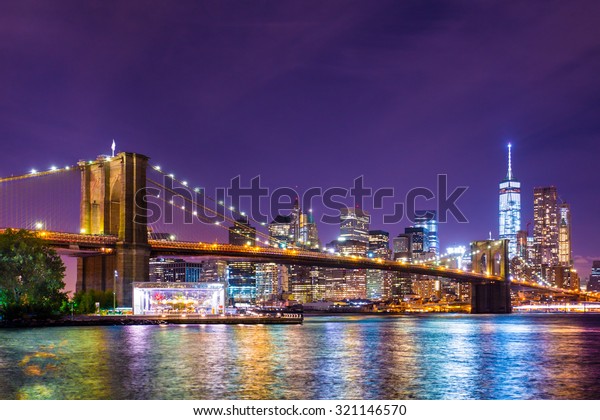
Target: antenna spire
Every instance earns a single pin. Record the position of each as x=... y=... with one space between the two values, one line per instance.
x=113 y=147
x=509 y=175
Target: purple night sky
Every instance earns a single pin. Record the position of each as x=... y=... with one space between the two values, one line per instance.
x=316 y=93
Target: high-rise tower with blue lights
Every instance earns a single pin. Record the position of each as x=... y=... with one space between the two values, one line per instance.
x=510 y=208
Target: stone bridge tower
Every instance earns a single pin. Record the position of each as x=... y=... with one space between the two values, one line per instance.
x=491 y=257
x=110 y=205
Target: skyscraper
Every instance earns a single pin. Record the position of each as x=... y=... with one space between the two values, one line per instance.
x=510 y=208
x=419 y=241
x=242 y=274
x=379 y=244
x=428 y=220
x=297 y=230
x=564 y=236
x=378 y=281
x=241 y=233
x=402 y=247
x=281 y=232
x=312 y=235
x=354 y=225
x=546 y=227
x=593 y=284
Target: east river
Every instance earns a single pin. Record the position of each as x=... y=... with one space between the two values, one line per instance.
x=528 y=356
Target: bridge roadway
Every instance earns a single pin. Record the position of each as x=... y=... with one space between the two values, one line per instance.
x=105 y=244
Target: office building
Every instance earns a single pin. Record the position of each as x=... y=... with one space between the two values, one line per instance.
x=546 y=227
x=510 y=208
x=402 y=245
x=593 y=284
x=174 y=270
x=564 y=236
x=354 y=224
x=241 y=275
x=242 y=233
x=428 y=221
x=378 y=282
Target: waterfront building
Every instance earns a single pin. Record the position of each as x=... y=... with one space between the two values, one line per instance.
x=153 y=298
x=510 y=208
x=241 y=285
x=306 y=284
x=267 y=285
x=427 y=289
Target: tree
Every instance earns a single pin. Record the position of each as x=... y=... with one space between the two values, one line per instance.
x=85 y=302
x=31 y=277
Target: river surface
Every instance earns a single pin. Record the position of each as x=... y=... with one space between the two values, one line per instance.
x=529 y=356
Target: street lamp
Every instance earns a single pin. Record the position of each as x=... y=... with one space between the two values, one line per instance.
x=116 y=274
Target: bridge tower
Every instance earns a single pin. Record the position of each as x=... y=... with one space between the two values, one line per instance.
x=491 y=257
x=110 y=206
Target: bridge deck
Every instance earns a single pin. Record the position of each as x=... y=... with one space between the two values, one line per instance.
x=106 y=243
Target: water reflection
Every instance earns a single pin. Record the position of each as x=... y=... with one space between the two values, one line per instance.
x=438 y=357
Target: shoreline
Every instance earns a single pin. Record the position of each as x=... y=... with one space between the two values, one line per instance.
x=114 y=320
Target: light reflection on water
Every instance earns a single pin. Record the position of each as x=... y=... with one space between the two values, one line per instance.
x=340 y=357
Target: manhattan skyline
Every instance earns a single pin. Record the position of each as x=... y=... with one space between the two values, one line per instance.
x=307 y=96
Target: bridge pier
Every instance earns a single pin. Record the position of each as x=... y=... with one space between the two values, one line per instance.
x=95 y=272
x=491 y=298
x=132 y=265
x=491 y=257
x=110 y=205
